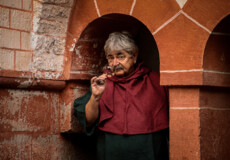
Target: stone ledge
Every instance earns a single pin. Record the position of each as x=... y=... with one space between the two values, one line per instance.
x=216 y=79
x=28 y=83
x=82 y=75
x=182 y=78
x=196 y=78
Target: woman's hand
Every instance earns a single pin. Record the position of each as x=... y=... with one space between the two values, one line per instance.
x=98 y=85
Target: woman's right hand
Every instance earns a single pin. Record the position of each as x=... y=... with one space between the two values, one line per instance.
x=98 y=85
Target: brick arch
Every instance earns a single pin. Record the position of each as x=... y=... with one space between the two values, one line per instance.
x=206 y=13
x=88 y=56
x=155 y=14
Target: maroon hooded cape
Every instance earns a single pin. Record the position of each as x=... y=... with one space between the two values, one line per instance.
x=135 y=104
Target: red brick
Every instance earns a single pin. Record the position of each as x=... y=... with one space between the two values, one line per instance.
x=67 y=120
x=215 y=97
x=178 y=47
x=155 y=13
x=28 y=111
x=184 y=97
x=118 y=6
x=184 y=134
x=66 y=103
x=15 y=146
x=78 y=19
x=216 y=79
x=182 y=78
x=206 y=13
x=50 y=147
x=215 y=131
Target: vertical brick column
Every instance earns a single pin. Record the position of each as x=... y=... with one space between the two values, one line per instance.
x=184 y=123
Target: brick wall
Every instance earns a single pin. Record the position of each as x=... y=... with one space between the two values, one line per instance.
x=40 y=73
x=32 y=42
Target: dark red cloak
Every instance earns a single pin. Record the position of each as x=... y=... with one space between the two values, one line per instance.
x=135 y=104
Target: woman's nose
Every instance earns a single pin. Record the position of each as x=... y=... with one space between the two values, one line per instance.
x=115 y=61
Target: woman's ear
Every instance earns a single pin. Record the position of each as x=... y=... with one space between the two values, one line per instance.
x=135 y=57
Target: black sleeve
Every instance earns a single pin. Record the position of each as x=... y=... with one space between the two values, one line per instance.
x=79 y=112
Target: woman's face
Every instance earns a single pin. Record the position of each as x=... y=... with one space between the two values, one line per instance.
x=121 y=62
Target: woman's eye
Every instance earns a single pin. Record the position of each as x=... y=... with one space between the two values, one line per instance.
x=121 y=57
x=110 y=58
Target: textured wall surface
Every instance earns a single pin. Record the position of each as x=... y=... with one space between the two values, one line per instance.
x=48 y=52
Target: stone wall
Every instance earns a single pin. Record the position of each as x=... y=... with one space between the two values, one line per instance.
x=43 y=69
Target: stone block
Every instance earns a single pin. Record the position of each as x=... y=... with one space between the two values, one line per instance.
x=50 y=45
x=27 y=5
x=26 y=41
x=23 y=59
x=56 y=28
x=4 y=16
x=21 y=20
x=12 y=3
x=9 y=38
x=54 y=12
x=50 y=147
x=15 y=146
x=59 y=2
x=27 y=111
x=48 y=62
x=6 y=59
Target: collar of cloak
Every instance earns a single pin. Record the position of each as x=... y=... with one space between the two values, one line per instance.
x=107 y=99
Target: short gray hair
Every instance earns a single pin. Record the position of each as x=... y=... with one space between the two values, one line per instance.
x=118 y=41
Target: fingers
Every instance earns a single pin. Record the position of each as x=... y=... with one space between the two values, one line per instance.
x=100 y=78
x=99 y=81
x=98 y=85
x=92 y=81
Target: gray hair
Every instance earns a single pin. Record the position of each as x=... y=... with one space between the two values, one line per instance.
x=118 y=41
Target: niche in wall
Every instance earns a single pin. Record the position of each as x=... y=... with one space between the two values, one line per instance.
x=217 y=55
x=89 y=57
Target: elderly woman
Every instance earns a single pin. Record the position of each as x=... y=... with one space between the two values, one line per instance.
x=128 y=108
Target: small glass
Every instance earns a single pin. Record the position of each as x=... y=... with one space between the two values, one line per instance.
x=105 y=70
